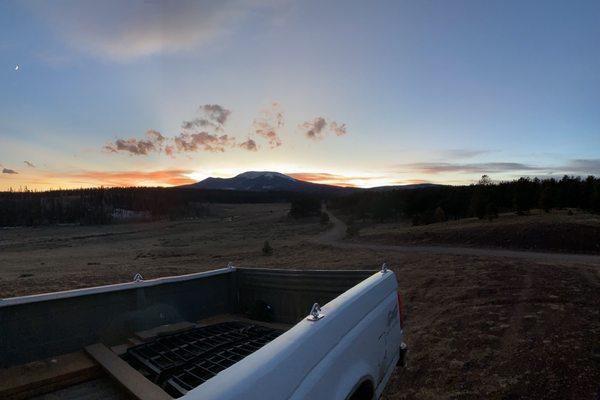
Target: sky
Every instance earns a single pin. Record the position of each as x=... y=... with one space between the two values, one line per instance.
x=354 y=93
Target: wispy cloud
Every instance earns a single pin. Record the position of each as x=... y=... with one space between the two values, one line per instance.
x=213 y=116
x=316 y=128
x=575 y=166
x=337 y=179
x=153 y=142
x=9 y=171
x=459 y=154
x=269 y=123
x=206 y=132
x=124 y=31
x=481 y=168
x=337 y=129
x=29 y=164
x=249 y=145
x=192 y=142
x=584 y=166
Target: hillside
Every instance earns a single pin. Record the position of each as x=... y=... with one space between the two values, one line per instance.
x=555 y=232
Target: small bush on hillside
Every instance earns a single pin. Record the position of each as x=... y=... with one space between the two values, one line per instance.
x=491 y=211
x=324 y=218
x=439 y=214
x=267 y=250
x=352 y=230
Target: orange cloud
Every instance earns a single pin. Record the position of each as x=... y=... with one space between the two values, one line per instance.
x=172 y=177
x=326 y=178
x=85 y=179
x=269 y=124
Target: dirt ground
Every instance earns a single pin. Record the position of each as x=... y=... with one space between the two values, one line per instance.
x=477 y=326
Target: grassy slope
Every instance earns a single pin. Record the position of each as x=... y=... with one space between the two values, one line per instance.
x=555 y=232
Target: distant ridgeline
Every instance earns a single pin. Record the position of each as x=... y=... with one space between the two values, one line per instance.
x=107 y=205
x=483 y=200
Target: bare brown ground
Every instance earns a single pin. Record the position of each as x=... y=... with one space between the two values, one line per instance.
x=477 y=326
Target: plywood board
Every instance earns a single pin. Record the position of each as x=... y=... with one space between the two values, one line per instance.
x=135 y=383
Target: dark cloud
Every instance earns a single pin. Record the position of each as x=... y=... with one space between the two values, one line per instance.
x=29 y=164
x=206 y=133
x=338 y=129
x=140 y=147
x=192 y=142
x=269 y=123
x=213 y=116
x=155 y=136
x=198 y=123
x=132 y=146
x=216 y=113
x=583 y=166
x=316 y=128
x=249 y=145
x=9 y=171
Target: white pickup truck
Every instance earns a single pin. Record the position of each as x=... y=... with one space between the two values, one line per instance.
x=233 y=333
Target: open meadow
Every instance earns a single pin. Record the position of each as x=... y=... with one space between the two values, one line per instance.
x=478 y=325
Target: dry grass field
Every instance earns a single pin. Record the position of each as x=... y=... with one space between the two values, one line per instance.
x=558 y=231
x=478 y=327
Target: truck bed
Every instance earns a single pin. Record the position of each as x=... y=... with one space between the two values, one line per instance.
x=234 y=313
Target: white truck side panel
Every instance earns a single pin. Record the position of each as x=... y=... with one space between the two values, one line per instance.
x=367 y=352
x=363 y=322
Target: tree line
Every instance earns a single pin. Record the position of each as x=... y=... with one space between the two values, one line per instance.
x=107 y=205
x=422 y=205
x=483 y=200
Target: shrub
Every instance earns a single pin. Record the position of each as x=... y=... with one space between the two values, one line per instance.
x=324 y=218
x=267 y=250
x=439 y=215
x=491 y=211
x=352 y=230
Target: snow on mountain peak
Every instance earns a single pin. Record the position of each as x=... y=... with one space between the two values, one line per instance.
x=264 y=174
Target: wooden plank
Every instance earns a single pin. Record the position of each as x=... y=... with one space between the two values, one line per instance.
x=164 y=330
x=135 y=383
x=39 y=377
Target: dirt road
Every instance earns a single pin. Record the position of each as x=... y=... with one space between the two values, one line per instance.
x=335 y=235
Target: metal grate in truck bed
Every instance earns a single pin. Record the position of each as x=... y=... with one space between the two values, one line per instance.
x=181 y=361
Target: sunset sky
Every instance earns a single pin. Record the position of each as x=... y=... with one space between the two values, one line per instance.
x=353 y=93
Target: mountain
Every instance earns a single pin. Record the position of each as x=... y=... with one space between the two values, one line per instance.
x=262 y=181
x=265 y=181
